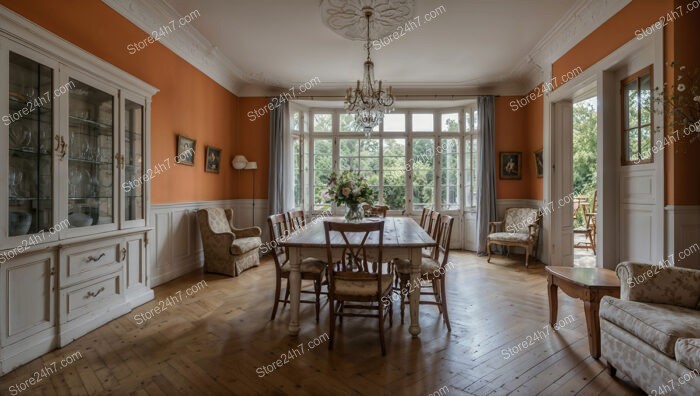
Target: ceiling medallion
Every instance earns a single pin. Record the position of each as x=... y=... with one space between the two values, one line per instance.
x=347 y=17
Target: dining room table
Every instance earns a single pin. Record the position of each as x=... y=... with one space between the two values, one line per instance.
x=403 y=239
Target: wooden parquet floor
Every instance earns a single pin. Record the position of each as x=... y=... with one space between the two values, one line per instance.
x=215 y=341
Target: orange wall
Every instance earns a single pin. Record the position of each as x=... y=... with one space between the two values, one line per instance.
x=253 y=141
x=611 y=35
x=511 y=136
x=534 y=129
x=189 y=102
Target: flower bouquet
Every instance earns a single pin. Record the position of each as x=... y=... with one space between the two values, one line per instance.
x=680 y=100
x=349 y=189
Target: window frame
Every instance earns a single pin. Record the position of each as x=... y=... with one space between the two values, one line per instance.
x=649 y=70
x=436 y=135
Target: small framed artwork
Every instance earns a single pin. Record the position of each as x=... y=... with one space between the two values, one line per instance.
x=185 y=150
x=213 y=160
x=539 y=164
x=511 y=165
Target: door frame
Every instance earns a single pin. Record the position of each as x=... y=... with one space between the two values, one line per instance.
x=607 y=238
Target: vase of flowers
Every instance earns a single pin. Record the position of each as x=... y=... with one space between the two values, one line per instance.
x=350 y=189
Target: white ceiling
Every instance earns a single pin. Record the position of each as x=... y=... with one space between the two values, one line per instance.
x=284 y=43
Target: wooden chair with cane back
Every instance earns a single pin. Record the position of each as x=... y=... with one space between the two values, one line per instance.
x=356 y=274
x=311 y=269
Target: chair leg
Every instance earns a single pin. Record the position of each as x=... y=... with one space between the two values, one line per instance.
x=381 y=331
x=436 y=294
x=331 y=330
x=527 y=256
x=443 y=303
x=403 y=295
x=391 y=313
x=488 y=249
x=278 y=286
x=507 y=251
x=286 y=295
x=317 y=288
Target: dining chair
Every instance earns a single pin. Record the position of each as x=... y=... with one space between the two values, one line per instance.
x=424 y=217
x=311 y=269
x=297 y=220
x=433 y=269
x=356 y=274
x=432 y=231
x=376 y=211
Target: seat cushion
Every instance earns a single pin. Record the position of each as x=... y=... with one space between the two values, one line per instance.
x=361 y=288
x=245 y=245
x=659 y=325
x=308 y=265
x=508 y=237
x=427 y=265
x=688 y=352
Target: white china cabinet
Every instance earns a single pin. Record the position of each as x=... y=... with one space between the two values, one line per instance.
x=74 y=133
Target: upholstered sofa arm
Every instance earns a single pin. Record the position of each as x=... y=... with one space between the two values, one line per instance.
x=247 y=232
x=659 y=284
x=532 y=230
x=494 y=226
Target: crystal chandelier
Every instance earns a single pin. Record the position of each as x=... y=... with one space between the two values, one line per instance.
x=367 y=102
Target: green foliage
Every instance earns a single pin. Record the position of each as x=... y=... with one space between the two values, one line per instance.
x=585 y=148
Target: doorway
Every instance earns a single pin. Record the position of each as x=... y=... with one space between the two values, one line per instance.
x=585 y=179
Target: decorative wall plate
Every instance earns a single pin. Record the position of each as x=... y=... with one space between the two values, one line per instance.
x=347 y=18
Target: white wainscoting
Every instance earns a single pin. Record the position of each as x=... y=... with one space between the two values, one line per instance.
x=682 y=232
x=176 y=247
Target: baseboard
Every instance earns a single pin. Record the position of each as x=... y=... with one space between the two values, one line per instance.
x=76 y=328
x=27 y=350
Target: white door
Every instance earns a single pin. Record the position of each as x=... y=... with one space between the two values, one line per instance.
x=562 y=184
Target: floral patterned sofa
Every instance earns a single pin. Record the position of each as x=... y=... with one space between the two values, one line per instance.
x=519 y=228
x=227 y=250
x=652 y=333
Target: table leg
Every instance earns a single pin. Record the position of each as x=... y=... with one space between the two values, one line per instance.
x=295 y=292
x=414 y=288
x=553 y=300
x=593 y=324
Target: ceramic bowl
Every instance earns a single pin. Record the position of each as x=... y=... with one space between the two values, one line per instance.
x=20 y=222
x=79 y=219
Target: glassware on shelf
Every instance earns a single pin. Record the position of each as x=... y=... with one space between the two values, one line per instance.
x=44 y=139
x=75 y=177
x=15 y=182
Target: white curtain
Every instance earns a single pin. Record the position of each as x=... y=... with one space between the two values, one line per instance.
x=486 y=178
x=281 y=178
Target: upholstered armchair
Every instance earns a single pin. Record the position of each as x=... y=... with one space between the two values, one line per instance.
x=519 y=228
x=227 y=250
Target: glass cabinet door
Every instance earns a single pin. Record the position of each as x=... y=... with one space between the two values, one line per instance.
x=30 y=173
x=133 y=157
x=90 y=156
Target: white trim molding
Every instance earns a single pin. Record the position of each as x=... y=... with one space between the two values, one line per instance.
x=581 y=20
x=188 y=44
x=682 y=232
x=176 y=247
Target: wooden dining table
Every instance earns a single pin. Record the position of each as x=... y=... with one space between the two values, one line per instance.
x=403 y=238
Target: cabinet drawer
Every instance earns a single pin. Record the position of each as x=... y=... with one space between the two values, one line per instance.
x=84 y=262
x=93 y=296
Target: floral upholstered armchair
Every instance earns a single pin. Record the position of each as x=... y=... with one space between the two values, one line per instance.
x=227 y=250
x=519 y=228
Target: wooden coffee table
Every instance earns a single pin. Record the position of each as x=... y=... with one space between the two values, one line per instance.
x=587 y=284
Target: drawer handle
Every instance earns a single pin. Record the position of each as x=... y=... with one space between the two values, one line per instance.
x=95 y=294
x=123 y=254
x=90 y=258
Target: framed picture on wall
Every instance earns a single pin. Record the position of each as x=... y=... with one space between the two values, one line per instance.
x=511 y=165
x=213 y=159
x=539 y=164
x=185 y=150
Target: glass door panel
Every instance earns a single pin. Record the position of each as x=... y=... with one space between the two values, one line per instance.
x=30 y=173
x=133 y=156
x=90 y=156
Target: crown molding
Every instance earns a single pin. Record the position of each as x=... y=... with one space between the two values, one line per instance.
x=581 y=20
x=188 y=43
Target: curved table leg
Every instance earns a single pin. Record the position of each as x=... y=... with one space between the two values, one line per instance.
x=295 y=293
x=414 y=287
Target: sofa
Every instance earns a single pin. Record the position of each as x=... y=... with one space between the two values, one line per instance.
x=227 y=250
x=652 y=332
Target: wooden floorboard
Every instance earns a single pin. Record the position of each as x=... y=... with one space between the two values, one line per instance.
x=214 y=341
